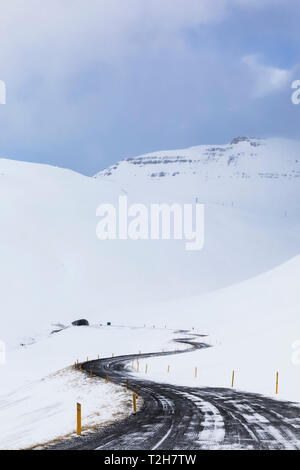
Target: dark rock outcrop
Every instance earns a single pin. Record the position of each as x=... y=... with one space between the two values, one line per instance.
x=81 y=322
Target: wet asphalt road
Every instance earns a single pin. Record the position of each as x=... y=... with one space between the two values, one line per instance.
x=190 y=418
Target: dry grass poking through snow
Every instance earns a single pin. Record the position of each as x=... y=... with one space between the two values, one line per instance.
x=45 y=410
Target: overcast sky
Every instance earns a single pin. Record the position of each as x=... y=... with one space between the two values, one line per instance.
x=90 y=82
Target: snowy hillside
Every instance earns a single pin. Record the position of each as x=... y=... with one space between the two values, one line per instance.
x=55 y=270
x=256 y=327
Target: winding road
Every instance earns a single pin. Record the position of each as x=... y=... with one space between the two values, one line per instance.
x=190 y=418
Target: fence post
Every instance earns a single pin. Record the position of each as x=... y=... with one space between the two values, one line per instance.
x=78 y=419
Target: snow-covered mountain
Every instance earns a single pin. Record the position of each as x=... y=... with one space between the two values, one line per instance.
x=55 y=269
x=244 y=157
x=247 y=172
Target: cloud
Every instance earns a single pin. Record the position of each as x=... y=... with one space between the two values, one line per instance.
x=47 y=52
x=78 y=73
x=108 y=27
x=265 y=79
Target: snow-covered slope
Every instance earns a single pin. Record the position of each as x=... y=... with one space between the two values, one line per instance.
x=54 y=269
x=255 y=326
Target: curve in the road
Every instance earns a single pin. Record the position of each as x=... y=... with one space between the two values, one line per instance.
x=190 y=418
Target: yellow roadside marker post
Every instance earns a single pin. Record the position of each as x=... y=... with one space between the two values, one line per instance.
x=91 y=373
x=107 y=379
x=168 y=369
x=146 y=370
x=134 y=403
x=276 y=383
x=137 y=392
x=80 y=367
x=232 y=381
x=78 y=419
x=196 y=372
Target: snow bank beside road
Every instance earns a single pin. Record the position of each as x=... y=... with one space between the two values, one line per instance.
x=45 y=410
x=40 y=388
